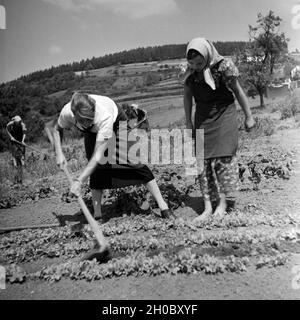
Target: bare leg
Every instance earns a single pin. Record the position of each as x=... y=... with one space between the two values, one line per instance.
x=154 y=190
x=227 y=173
x=20 y=174
x=207 y=186
x=97 y=197
x=221 y=208
x=19 y=171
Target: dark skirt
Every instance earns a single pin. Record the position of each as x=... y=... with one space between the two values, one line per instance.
x=220 y=133
x=110 y=176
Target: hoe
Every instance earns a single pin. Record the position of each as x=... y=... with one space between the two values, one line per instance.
x=101 y=251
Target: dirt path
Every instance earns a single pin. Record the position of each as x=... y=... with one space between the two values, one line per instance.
x=41 y=212
x=266 y=283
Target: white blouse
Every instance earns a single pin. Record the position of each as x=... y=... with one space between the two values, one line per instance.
x=106 y=112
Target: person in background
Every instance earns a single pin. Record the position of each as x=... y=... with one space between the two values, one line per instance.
x=212 y=81
x=16 y=130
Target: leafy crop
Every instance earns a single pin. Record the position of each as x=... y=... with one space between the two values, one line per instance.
x=16 y=196
x=271 y=164
x=15 y=274
x=149 y=246
x=139 y=264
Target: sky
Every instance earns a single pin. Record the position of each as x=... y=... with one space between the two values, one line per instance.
x=39 y=34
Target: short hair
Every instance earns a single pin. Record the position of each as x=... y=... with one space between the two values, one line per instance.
x=83 y=105
x=192 y=53
x=16 y=119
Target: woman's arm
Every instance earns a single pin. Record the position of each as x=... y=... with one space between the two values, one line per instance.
x=96 y=158
x=24 y=131
x=8 y=132
x=243 y=102
x=57 y=132
x=188 y=105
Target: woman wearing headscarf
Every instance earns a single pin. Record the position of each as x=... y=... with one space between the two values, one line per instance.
x=212 y=81
x=99 y=118
x=16 y=130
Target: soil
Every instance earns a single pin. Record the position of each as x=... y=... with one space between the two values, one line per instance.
x=280 y=196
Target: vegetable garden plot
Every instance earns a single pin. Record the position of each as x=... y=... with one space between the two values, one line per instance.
x=151 y=246
x=144 y=244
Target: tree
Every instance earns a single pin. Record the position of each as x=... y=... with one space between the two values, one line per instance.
x=255 y=75
x=265 y=48
x=269 y=39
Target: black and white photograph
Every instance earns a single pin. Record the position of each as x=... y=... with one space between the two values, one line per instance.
x=149 y=152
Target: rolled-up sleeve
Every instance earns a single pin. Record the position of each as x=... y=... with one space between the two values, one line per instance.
x=229 y=71
x=66 y=118
x=24 y=127
x=105 y=129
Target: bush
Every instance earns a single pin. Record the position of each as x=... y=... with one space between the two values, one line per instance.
x=151 y=78
x=291 y=107
x=276 y=107
x=263 y=127
x=35 y=126
x=4 y=139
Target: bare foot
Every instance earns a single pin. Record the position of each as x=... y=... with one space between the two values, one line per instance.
x=206 y=214
x=220 y=211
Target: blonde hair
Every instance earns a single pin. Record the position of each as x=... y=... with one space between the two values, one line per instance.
x=83 y=105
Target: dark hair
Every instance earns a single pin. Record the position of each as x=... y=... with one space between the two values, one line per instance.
x=192 y=53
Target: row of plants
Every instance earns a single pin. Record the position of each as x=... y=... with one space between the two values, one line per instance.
x=28 y=246
x=138 y=264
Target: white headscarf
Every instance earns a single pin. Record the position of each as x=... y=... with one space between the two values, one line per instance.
x=211 y=56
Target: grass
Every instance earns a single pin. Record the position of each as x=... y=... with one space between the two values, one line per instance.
x=264 y=126
x=38 y=166
x=289 y=106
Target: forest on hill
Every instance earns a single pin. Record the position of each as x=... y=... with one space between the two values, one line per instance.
x=151 y=53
